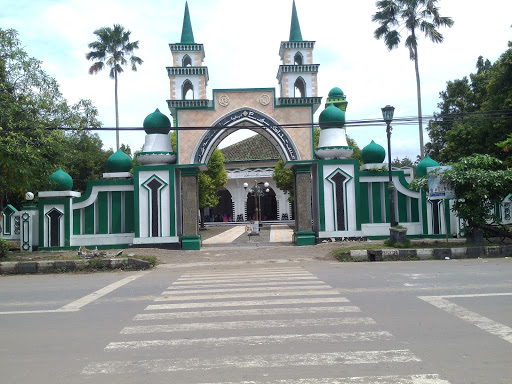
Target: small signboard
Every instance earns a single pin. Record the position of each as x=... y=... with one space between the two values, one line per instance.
x=436 y=188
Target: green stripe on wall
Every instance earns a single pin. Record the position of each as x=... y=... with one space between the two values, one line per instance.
x=415 y=211
x=129 y=212
x=76 y=221
x=89 y=219
x=365 y=203
x=103 y=209
x=377 y=204
x=116 y=212
x=402 y=207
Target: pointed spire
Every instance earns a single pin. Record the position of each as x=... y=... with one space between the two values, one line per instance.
x=187 y=36
x=295 y=34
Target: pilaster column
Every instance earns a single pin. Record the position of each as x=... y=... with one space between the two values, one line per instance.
x=304 y=234
x=190 y=239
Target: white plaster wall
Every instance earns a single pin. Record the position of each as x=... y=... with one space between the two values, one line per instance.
x=290 y=78
x=194 y=79
x=350 y=198
x=164 y=202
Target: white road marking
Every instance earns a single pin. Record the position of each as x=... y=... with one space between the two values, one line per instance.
x=236 y=262
x=410 y=379
x=322 y=300
x=174 y=296
x=168 y=328
x=482 y=322
x=245 y=312
x=227 y=236
x=232 y=276
x=246 y=279
x=251 y=361
x=78 y=304
x=299 y=284
x=246 y=271
x=252 y=340
x=238 y=289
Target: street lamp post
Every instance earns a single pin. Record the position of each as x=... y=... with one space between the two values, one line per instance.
x=257 y=191
x=387 y=114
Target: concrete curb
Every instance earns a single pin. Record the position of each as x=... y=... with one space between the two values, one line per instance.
x=53 y=266
x=428 y=253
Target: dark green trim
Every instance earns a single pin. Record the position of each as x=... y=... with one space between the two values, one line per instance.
x=189 y=169
x=89 y=220
x=191 y=242
x=415 y=210
x=364 y=207
x=77 y=217
x=304 y=238
x=67 y=218
x=357 y=192
x=116 y=212
x=402 y=207
x=103 y=213
x=447 y=215
x=386 y=202
x=136 y=203
x=129 y=209
x=172 y=201
x=424 y=211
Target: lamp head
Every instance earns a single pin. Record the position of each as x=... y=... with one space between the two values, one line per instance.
x=246 y=185
x=266 y=184
x=387 y=113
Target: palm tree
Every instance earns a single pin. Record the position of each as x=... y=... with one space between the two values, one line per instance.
x=111 y=48
x=410 y=15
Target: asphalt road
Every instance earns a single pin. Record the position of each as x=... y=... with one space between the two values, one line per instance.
x=305 y=321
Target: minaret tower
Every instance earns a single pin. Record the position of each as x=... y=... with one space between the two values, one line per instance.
x=188 y=77
x=297 y=76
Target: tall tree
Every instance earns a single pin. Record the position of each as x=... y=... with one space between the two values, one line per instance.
x=112 y=48
x=32 y=113
x=412 y=16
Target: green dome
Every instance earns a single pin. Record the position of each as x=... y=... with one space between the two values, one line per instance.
x=373 y=153
x=61 y=180
x=331 y=117
x=336 y=93
x=157 y=122
x=421 y=168
x=119 y=162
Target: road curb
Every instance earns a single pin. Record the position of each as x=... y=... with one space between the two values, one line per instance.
x=427 y=253
x=53 y=266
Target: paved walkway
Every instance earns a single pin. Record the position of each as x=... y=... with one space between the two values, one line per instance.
x=279 y=233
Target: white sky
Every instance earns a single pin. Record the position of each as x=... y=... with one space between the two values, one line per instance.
x=241 y=40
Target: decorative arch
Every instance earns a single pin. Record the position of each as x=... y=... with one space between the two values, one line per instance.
x=186 y=88
x=187 y=61
x=298 y=58
x=244 y=118
x=300 y=87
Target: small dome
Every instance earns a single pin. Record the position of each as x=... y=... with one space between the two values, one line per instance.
x=61 y=180
x=421 y=168
x=373 y=153
x=336 y=93
x=157 y=122
x=331 y=117
x=119 y=162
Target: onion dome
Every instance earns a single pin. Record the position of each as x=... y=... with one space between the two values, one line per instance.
x=421 y=168
x=119 y=162
x=331 y=117
x=336 y=93
x=157 y=122
x=61 y=180
x=373 y=153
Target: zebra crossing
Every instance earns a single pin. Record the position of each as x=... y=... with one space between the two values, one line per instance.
x=278 y=325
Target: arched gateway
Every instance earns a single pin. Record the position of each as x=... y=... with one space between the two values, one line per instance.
x=157 y=203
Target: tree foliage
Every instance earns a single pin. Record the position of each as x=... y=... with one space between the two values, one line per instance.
x=113 y=47
x=412 y=16
x=475 y=114
x=32 y=113
x=210 y=181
